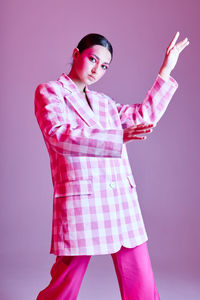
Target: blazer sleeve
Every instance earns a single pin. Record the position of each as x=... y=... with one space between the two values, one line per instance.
x=153 y=106
x=52 y=118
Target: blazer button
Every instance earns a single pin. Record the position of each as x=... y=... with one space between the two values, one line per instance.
x=112 y=185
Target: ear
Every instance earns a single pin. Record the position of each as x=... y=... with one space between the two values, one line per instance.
x=75 y=53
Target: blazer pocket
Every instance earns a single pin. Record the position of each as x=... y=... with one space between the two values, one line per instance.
x=131 y=181
x=75 y=187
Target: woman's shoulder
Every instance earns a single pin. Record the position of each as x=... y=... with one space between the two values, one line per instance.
x=49 y=87
x=48 y=92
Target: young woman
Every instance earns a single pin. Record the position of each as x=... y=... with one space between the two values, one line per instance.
x=95 y=208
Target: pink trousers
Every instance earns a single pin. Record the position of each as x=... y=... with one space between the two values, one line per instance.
x=133 y=269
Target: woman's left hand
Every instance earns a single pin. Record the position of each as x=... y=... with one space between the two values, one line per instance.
x=171 y=56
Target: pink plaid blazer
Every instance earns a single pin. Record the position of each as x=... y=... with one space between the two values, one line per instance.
x=95 y=203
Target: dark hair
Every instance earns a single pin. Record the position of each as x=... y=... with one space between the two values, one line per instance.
x=93 y=39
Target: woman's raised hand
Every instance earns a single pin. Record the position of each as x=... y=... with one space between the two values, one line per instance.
x=171 y=56
x=132 y=133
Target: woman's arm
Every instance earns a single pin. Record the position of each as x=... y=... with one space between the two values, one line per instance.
x=153 y=106
x=82 y=140
x=159 y=96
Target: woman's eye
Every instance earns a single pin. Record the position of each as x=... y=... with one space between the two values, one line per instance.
x=92 y=59
x=104 y=67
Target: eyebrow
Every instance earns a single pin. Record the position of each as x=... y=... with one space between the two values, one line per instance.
x=105 y=63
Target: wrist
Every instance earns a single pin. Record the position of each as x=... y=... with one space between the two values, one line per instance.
x=164 y=73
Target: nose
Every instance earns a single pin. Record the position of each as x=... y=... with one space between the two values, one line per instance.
x=95 y=68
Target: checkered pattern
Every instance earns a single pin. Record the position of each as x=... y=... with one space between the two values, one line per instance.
x=95 y=204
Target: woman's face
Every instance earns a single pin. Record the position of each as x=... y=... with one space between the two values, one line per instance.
x=91 y=64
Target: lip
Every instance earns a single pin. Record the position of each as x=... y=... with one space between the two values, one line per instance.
x=92 y=77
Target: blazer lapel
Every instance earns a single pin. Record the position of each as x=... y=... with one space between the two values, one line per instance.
x=99 y=106
x=73 y=95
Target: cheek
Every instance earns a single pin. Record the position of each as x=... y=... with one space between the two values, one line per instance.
x=102 y=73
x=81 y=65
x=86 y=67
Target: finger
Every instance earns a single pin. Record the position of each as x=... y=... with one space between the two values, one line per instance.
x=142 y=126
x=181 y=45
x=173 y=42
x=139 y=137
x=182 y=42
x=143 y=131
x=136 y=138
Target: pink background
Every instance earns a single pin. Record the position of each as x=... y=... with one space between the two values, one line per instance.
x=37 y=39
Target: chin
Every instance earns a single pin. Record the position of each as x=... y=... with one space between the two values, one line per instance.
x=89 y=82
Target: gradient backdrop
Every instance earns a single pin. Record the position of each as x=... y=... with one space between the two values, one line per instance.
x=37 y=39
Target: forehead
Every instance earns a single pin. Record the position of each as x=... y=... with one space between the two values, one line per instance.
x=100 y=51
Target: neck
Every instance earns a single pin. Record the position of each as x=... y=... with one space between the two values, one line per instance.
x=73 y=76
